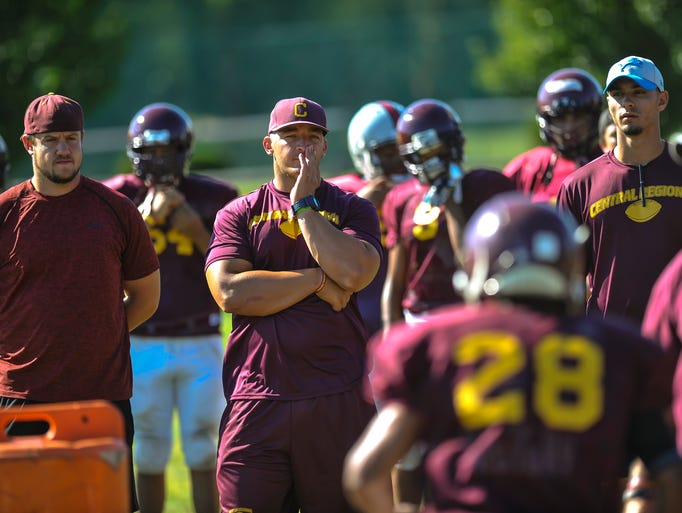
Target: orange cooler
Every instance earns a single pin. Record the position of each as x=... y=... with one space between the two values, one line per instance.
x=78 y=465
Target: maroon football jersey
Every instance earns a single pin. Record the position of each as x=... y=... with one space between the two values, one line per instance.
x=522 y=411
x=64 y=334
x=663 y=323
x=350 y=182
x=431 y=260
x=307 y=349
x=186 y=306
x=633 y=238
x=539 y=172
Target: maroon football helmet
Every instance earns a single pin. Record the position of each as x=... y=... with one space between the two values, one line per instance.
x=160 y=139
x=429 y=137
x=570 y=90
x=4 y=163
x=523 y=250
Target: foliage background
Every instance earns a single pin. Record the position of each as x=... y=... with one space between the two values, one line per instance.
x=226 y=58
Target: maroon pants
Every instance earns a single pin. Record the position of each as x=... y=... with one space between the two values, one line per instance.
x=282 y=456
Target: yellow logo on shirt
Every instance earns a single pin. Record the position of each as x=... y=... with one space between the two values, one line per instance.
x=642 y=213
x=636 y=211
x=289 y=225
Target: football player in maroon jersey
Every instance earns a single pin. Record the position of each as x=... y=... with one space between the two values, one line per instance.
x=524 y=404
x=177 y=353
x=569 y=102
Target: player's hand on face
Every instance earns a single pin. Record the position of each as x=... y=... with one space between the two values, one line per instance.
x=166 y=199
x=185 y=219
x=334 y=295
x=308 y=179
x=161 y=202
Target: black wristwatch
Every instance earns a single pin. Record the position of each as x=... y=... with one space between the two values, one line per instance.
x=309 y=202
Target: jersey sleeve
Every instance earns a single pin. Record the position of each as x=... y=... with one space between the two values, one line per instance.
x=363 y=223
x=661 y=319
x=513 y=168
x=400 y=365
x=389 y=214
x=139 y=257
x=230 y=237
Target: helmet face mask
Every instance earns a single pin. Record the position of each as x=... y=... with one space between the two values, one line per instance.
x=383 y=160
x=570 y=91
x=573 y=138
x=160 y=139
x=160 y=165
x=430 y=139
x=425 y=155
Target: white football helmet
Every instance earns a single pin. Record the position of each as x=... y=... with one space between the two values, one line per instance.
x=372 y=137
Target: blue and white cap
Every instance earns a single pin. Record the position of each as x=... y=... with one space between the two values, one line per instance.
x=641 y=70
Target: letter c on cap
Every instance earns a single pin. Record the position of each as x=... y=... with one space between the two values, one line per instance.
x=301 y=110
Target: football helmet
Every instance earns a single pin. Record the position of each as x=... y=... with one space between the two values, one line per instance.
x=160 y=142
x=372 y=140
x=4 y=163
x=519 y=249
x=430 y=139
x=575 y=91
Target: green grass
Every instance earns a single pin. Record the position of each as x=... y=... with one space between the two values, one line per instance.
x=178 y=492
x=485 y=146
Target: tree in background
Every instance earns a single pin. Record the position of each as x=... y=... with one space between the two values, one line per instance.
x=73 y=47
x=537 y=37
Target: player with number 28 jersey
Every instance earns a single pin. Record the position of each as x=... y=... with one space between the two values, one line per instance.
x=525 y=404
x=536 y=395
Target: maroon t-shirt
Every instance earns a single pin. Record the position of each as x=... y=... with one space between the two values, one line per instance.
x=523 y=411
x=186 y=306
x=63 y=260
x=431 y=262
x=539 y=172
x=308 y=349
x=631 y=243
x=663 y=323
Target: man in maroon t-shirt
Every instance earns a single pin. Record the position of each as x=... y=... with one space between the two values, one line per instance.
x=78 y=271
x=630 y=197
x=524 y=404
x=287 y=261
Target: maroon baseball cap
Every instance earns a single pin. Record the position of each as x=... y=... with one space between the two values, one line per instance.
x=291 y=111
x=53 y=113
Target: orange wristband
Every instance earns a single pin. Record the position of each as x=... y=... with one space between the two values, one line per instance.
x=323 y=282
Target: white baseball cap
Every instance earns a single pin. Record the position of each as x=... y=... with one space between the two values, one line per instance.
x=641 y=70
